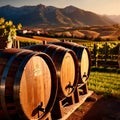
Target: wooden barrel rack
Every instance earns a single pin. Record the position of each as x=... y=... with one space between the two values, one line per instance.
x=64 y=108
x=47 y=117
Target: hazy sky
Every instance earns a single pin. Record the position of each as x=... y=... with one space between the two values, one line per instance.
x=109 y=7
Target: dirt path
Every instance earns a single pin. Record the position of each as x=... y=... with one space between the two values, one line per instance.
x=99 y=108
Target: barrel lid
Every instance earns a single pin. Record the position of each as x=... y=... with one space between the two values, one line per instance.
x=67 y=74
x=35 y=87
x=84 y=65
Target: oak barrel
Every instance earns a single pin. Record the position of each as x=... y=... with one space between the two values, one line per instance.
x=83 y=56
x=66 y=64
x=28 y=84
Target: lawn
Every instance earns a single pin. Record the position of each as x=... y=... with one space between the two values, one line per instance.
x=106 y=83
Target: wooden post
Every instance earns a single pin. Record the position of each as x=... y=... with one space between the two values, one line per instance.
x=106 y=51
x=119 y=55
x=18 y=44
x=63 y=40
x=44 y=42
x=14 y=43
x=95 y=55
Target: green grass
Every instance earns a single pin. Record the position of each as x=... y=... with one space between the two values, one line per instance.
x=105 y=83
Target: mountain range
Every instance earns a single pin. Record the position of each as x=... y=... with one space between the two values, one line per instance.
x=115 y=18
x=41 y=15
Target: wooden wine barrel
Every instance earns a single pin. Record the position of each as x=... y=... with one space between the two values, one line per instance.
x=83 y=56
x=66 y=64
x=28 y=84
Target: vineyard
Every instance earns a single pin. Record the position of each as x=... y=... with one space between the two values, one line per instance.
x=103 y=54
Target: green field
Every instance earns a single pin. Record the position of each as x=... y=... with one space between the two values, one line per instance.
x=105 y=83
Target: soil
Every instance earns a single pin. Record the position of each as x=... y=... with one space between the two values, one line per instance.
x=98 y=107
